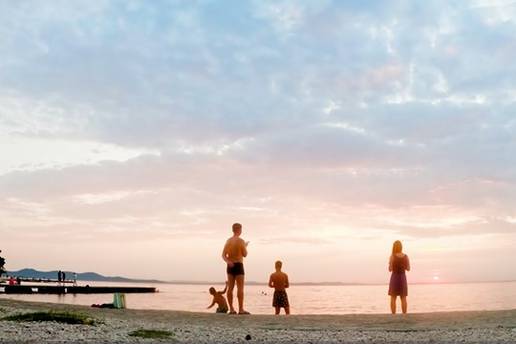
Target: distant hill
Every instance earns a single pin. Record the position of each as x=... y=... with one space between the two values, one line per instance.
x=95 y=277
x=81 y=276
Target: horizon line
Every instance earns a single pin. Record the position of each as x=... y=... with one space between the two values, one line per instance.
x=329 y=283
x=337 y=283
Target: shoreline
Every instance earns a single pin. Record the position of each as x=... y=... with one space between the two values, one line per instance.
x=191 y=327
x=127 y=280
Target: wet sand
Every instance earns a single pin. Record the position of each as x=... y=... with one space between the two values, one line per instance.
x=448 y=327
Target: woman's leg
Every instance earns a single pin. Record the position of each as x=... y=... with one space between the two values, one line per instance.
x=393 y=304
x=404 y=304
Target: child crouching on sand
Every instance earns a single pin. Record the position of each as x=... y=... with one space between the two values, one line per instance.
x=219 y=299
x=279 y=281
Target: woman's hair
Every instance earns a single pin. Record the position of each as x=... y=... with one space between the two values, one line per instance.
x=397 y=247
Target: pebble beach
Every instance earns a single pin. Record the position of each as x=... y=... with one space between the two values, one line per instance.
x=114 y=326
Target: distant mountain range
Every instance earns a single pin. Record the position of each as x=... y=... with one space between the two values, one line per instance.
x=95 y=277
x=82 y=276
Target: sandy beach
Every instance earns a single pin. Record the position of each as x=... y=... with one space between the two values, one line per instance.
x=114 y=326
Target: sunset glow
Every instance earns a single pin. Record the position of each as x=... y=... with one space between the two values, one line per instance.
x=133 y=134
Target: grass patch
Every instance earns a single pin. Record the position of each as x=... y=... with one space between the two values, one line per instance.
x=60 y=317
x=155 y=334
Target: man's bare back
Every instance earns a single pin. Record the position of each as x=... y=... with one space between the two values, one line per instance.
x=235 y=250
x=279 y=281
x=220 y=300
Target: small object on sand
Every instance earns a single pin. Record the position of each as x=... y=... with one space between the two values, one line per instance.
x=103 y=305
x=119 y=301
x=248 y=337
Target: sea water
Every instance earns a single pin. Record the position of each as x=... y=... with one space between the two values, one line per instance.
x=312 y=299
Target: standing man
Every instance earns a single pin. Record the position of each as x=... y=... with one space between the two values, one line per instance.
x=233 y=254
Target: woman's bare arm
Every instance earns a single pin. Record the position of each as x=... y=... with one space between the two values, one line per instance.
x=408 y=264
x=390 y=264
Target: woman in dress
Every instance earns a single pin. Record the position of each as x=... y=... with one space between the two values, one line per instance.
x=398 y=264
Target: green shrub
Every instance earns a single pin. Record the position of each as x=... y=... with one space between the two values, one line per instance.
x=60 y=317
x=156 y=334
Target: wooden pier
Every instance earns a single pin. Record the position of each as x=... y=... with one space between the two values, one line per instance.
x=58 y=289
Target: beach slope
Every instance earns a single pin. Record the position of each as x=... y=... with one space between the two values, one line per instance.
x=114 y=326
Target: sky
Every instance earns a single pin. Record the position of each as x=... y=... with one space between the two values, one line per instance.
x=133 y=134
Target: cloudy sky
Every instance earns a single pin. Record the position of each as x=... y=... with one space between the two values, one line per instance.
x=134 y=133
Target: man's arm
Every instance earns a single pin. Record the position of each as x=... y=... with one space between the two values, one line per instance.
x=271 y=282
x=225 y=253
x=244 y=249
x=287 y=284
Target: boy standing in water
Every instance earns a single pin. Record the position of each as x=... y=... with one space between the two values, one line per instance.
x=219 y=299
x=279 y=281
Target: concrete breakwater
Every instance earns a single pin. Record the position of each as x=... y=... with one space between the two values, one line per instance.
x=52 y=289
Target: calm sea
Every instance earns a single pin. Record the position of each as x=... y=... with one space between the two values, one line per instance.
x=312 y=299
